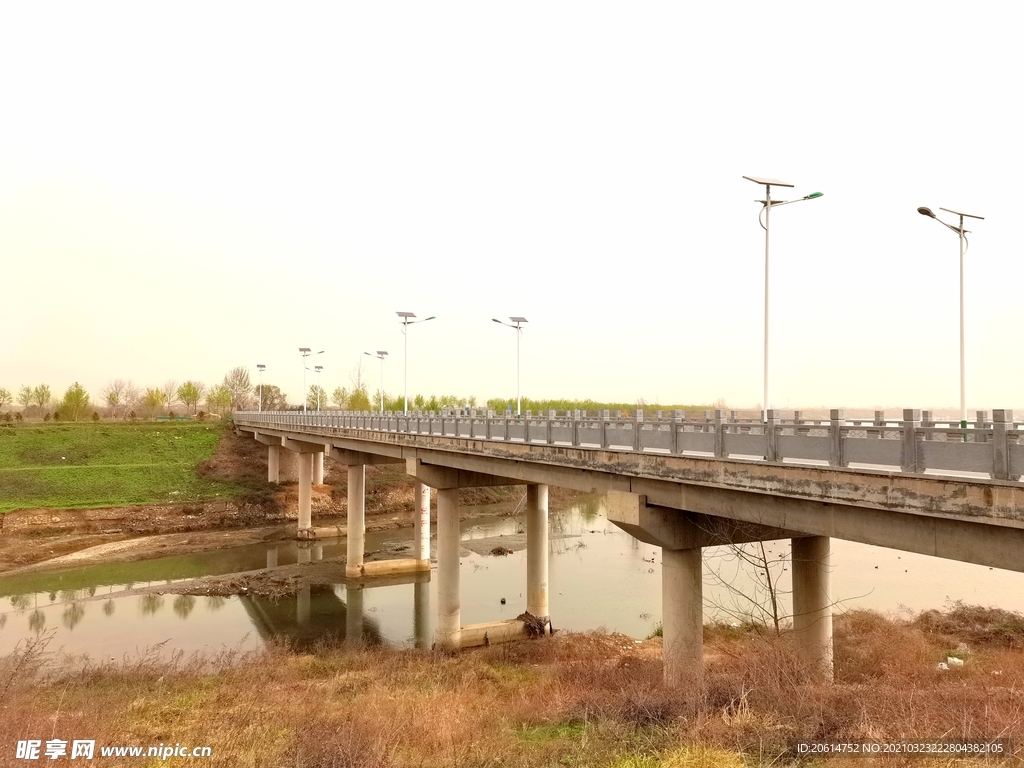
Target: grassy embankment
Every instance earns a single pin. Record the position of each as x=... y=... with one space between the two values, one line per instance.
x=78 y=466
x=573 y=700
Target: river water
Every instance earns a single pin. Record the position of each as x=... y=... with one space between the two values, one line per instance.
x=600 y=578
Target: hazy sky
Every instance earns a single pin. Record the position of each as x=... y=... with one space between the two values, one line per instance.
x=193 y=186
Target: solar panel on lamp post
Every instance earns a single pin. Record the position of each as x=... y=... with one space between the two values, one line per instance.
x=767 y=205
x=381 y=354
x=406 y=322
x=962 y=233
x=306 y=352
x=517 y=324
x=261 y=368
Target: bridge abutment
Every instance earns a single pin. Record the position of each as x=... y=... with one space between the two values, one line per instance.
x=812 y=601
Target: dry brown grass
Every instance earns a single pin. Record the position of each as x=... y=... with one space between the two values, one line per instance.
x=577 y=700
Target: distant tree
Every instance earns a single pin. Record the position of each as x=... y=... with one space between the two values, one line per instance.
x=75 y=403
x=25 y=396
x=170 y=392
x=274 y=399
x=131 y=398
x=237 y=382
x=153 y=400
x=218 y=399
x=113 y=396
x=359 y=400
x=190 y=393
x=340 y=396
x=5 y=397
x=317 y=397
x=418 y=401
x=41 y=395
x=357 y=375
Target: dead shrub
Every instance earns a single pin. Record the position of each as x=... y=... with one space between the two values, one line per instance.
x=871 y=647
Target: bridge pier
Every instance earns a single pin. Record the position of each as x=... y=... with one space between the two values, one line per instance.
x=537 y=552
x=421 y=523
x=420 y=611
x=318 y=468
x=305 y=461
x=812 y=601
x=356 y=527
x=682 y=622
x=449 y=614
x=273 y=463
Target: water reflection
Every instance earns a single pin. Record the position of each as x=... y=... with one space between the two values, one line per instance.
x=599 y=577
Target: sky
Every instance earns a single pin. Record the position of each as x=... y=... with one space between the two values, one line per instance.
x=191 y=187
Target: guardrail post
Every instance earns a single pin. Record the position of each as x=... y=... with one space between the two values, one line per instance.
x=911 y=423
x=927 y=421
x=835 y=431
x=771 y=435
x=576 y=427
x=983 y=423
x=1002 y=421
x=677 y=422
x=547 y=427
x=798 y=419
x=638 y=418
x=720 y=424
x=604 y=416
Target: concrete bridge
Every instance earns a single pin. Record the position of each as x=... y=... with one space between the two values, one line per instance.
x=680 y=483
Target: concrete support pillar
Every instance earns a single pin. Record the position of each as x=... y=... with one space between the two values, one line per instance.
x=318 y=468
x=537 y=551
x=354 y=614
x=682 y=611
x=421 y=522
x=449 y=618
x=812 y=601
x=273 y=463
x=288 y=467
x=356 y=518
x=421 y=613
x=305 y=493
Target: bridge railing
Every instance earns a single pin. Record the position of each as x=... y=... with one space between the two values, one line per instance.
x=917 y=443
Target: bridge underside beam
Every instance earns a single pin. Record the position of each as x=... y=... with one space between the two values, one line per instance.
x=982 y=542
x=351 y=458
x=677 y=529
x=446 y=477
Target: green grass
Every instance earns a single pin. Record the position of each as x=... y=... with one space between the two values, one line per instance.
x=78 y=466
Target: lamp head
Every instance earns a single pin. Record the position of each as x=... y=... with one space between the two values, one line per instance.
x=814 y=195
x=432 y=317
x=926 y=212
x=495 y=320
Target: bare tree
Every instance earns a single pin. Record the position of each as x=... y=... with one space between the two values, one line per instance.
x=238 y=384
x=5 y=397
x=41 y=395
x=131 y=398
x=113 y=396
x=170 y=392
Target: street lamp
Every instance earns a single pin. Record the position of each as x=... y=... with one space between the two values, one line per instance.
x=767 y=205
x=517 y=324
x=318 y=368
x=406 y=322
x=381 y=354
x=963 y=249
x=261 y=369
x=305 y=352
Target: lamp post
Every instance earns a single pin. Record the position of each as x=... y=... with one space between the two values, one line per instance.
x=963 y=249
x=318 y=368
x=305 y=352
x=767 y=205
x=517 y=323
x=381 y=354
x=261 y=369
x=406 y=322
